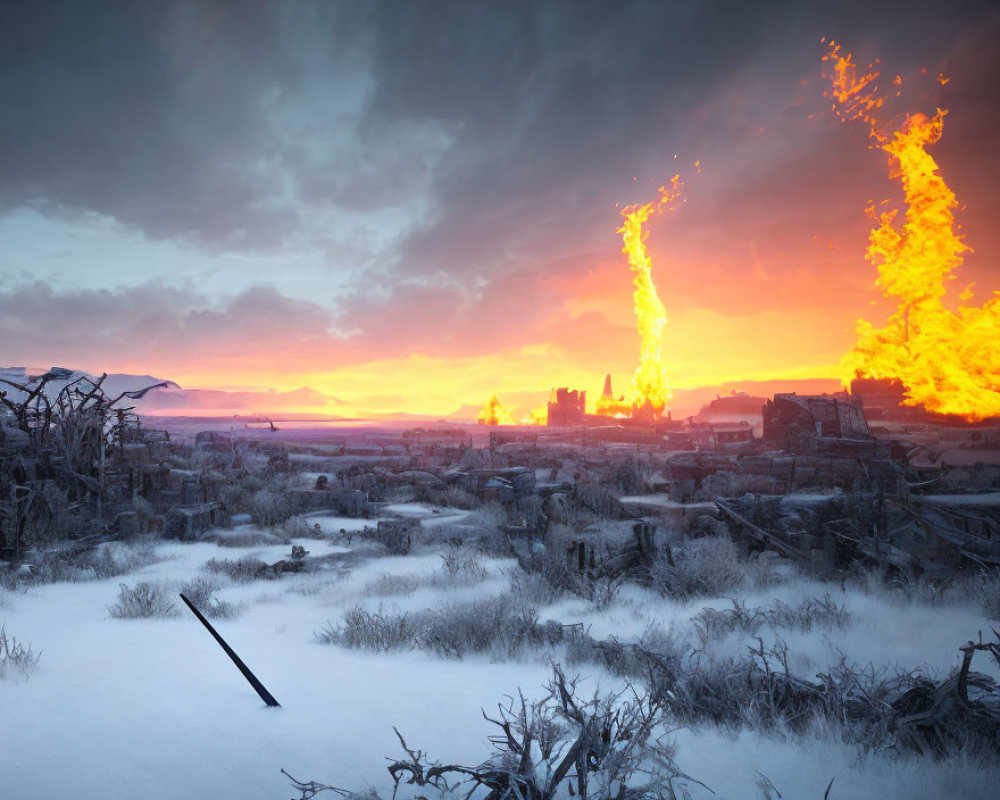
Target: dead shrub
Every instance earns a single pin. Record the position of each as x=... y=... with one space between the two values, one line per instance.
x=73 y=563
x=503 y=627
x=16 y=658
x=264 y=497
x=460 y=566
x=808 y=614
x=248 y=538
x=296 y=528
x=711 y=624
x=377 y=631
x=599 y=500
x=241 y=570
x=703 y=567
x=201 y=591
x=386 y=585
x=142 y=601
x=269 y=507
x=532 y=586
x=552 y=567
x=605 y=746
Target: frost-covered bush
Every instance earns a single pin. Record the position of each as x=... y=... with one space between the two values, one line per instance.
x=142 y=601
x=296 y=528
x=265 y=498
x=269 y=507
x=251 y=537
x=387 y=585
x=378 y=631
x=461 y=566
x=241 y=570
x=602 y=591
x=552 y=567
x=594 y=747
x=118 y=558
x=700 y=567
x=17 y=660
x=503 y=626
x=711 y=624
x=106 y=560
x=201 y=591
x=598 y=499
x=532 y=586
x=809 y=614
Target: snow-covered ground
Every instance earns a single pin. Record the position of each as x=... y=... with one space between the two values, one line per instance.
x=153 y=709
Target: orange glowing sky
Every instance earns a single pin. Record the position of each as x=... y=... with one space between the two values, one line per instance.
x=307 y=212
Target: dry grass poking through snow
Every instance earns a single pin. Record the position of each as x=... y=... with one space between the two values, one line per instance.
x=240 y=570
x=504 y=627
x=16 y=658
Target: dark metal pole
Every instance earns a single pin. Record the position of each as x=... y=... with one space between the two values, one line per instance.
x=265 y=695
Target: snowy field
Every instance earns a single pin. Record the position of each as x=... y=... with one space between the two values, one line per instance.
x=153 y=709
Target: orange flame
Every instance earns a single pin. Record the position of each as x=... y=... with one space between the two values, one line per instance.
x=612 y=407
x=948 y=361
x=494 y=413
x=536 y=416
x=649 y=382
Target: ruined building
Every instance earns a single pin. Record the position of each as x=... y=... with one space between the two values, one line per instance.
x=807 y=424
x=567 y=407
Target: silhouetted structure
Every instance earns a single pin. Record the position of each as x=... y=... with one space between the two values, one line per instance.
x=607 y=394
x=567 y=408
x=795 y=422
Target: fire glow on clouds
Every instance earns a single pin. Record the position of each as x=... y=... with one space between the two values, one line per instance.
x=414 y=229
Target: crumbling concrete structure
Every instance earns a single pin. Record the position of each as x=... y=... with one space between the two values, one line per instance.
x=797 y=423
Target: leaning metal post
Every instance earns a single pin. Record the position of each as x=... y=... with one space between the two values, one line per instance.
x=265 y=695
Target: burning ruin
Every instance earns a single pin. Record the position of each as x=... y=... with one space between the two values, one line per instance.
x=494 y=413
x=650 y=388
x=948 y=361
x=610 y=406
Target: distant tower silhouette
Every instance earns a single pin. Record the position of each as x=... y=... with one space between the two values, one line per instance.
x=607 y=393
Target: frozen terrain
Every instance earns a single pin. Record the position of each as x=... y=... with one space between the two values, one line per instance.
x=152 y=708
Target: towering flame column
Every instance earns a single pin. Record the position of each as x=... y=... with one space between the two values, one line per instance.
x=948 y=361
x=649 y=382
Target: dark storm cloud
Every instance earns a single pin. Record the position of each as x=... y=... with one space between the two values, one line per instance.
x=147 y=112
x=505 y=131
x=561 y=103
